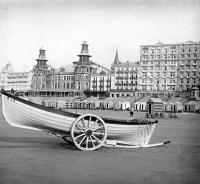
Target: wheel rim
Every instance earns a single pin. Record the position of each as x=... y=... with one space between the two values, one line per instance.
x=88 y=132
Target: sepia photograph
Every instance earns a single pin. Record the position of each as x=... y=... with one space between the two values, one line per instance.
x=99 y=92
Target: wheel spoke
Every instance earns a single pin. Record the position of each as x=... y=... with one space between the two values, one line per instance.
x=89 y=121
x=79 y=131
x=79 y=136
x=96 y=138
x=79 y=127
x=92 y=142
x=83 y=122
x=82 y=140
x=98 y=133
x=87 y=142
x=95 y=130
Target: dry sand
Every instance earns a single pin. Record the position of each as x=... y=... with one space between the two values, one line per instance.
x=33 y=157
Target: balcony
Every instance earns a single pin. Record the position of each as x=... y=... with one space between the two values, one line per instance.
x=132 y=84
x=194 y=69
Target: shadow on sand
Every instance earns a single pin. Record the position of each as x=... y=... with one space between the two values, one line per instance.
x=40 y=142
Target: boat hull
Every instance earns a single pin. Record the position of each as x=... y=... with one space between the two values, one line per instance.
x=24 y=114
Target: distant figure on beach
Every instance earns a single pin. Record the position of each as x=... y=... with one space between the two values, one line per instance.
x=131 y=112
x=12 y=91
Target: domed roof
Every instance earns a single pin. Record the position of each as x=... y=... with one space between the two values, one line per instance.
x=85 y=43
x=42 y=48
x=7 y=69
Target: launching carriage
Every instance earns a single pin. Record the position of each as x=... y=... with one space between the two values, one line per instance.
x=87 y=131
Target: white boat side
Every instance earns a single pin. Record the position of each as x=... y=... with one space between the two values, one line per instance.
x=24 y=114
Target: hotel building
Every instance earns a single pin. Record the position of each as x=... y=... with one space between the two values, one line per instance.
x=101 y=83
x=121 y=81
x=188 y=66
x=19 y=81
x=158 y=67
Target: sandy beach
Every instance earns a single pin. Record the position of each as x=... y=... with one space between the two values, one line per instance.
x=33 y=157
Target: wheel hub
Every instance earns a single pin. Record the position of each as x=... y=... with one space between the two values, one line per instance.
x=88 y=133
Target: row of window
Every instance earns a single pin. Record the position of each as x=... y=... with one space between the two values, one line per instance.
x=158 y=74
x=17 y=77
x=65 y=78
x=164 y=88
x=172 y=56
x=171 y=62
x=145 y=68
x=17 y=82
x=170 y=49
x=189 y=81
x=58 y=85
x=151 y=81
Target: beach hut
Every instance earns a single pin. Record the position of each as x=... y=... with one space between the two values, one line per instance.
x=174 y=105
x=91 y=102
x=155 y=105
x=141 y=104
x=124 y=105
x=108 y=103
x=192 y=106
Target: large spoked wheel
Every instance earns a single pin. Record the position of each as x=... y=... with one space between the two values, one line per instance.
x=88 y=132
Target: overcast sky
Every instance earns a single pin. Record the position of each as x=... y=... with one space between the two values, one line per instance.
x=60 y=26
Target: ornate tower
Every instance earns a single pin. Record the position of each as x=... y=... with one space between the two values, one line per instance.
x=84 y=55
x=41 y=60
x=40 y=71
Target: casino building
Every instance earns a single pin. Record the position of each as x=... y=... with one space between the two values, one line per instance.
x=65 y=81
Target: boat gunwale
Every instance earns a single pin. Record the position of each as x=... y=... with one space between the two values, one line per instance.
x=76 y=115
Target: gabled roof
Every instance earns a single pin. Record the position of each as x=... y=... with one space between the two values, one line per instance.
x=144 y=99
x=155 y=100
x=193 y=102
x=91 y=99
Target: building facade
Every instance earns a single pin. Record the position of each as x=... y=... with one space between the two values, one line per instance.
x=121 y=81
x=171 y=67
x=19 y=81
x=188 y=66
x=101 y=83
x=158 y=67
x=125 y=74
x=61 y=81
